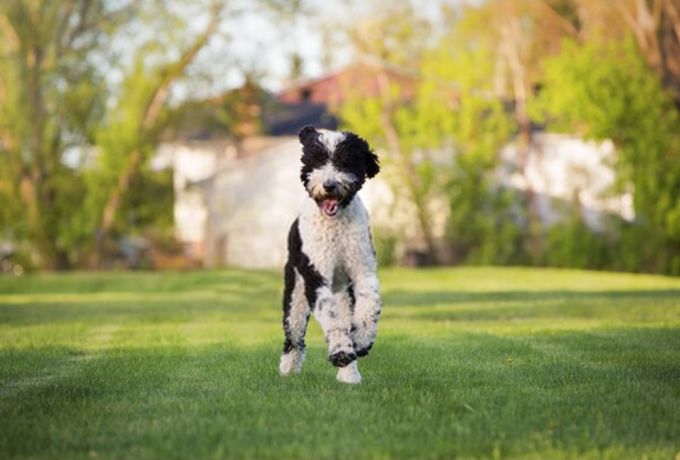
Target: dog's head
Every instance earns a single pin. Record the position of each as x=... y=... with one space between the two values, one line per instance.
x=335 y=165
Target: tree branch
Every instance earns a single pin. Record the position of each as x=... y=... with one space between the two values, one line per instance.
x=174 y=71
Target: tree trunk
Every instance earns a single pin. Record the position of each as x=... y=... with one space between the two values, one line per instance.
x=113 y=204
x=656 y=28
x=512 y=36
x=37 y=190
x=411 y=182
x=408 y=173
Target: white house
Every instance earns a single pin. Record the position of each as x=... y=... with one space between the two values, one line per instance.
x=567 y=168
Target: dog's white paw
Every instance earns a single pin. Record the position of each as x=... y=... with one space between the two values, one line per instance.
x=291 y=362
x=349 y=374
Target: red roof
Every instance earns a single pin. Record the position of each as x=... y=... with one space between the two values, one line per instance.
x=335 y=88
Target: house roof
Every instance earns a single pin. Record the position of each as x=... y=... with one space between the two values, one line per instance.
x=359 y=80
x=287 y=119
x=251 y=110
x=317 y=101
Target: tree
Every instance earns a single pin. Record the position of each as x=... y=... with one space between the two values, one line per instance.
x=391 y=45
x=132 y=130
x=519 y=34
x=656 y=27
x=437 y=117
x=457 y=111
x=50 y=99
x=605 y=90
x=654 y=24
x=75 y=140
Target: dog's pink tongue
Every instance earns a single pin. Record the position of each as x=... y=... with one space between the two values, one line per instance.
x=330 y=207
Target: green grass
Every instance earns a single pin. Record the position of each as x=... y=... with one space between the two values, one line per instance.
x=469 y=363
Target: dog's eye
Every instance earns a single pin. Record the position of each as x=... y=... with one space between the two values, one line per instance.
x=344 y=161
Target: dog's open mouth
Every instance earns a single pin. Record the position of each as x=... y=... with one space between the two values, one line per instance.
x=330 y=206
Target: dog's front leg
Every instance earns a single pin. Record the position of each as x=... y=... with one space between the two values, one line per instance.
x=335 y=322
x=366 y=312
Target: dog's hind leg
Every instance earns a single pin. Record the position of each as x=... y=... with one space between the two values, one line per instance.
x=295 y=318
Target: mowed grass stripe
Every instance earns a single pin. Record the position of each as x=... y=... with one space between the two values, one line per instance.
x=470 y=363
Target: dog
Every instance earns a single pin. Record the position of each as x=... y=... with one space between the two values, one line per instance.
x=331 y=267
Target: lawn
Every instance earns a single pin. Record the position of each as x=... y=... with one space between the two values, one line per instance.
x=469 y=363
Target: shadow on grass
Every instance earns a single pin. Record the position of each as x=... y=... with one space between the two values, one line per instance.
x=141 y=281
x=231 y=299
x=137 y=312
x=429 y=298
x=501 y=306
x=469 y=395
x=228 y=299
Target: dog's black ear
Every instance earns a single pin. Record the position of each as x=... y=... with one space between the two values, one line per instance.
x=359 y=147
x=371 y=160
x=307 y=134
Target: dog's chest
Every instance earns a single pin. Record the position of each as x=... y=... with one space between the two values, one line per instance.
x=336 y=245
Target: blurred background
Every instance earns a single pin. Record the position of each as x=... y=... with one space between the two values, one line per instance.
x=161 y=134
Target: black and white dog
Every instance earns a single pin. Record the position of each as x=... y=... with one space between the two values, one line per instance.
x=331 y=268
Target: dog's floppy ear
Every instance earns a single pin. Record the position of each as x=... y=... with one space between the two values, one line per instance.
x=359 y=147
x=370 y=159
x=372 y=163
x=307 y=135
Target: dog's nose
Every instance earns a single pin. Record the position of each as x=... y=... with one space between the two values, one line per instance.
x=330 y=186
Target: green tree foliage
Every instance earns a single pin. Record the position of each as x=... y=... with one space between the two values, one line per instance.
x=456 y=108
x=50 y=99
x=392 y=43
x=443 y=129
x=605 y=90
x=473 y=88
x=56 y=105
x=131 y=132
